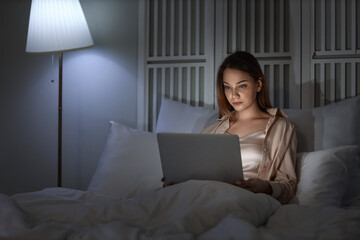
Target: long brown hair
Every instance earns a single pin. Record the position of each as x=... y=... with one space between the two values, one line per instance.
x=245 y=62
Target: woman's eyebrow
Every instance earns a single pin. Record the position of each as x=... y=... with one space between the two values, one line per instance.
x=237 y=82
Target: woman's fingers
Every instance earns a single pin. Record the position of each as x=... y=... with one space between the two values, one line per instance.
x=255 y=185
x=242 y=183
x=252 y=184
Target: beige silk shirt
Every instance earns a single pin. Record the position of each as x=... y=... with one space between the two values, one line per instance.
x=279 y=153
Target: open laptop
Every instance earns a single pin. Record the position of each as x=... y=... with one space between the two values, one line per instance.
x=187 y=156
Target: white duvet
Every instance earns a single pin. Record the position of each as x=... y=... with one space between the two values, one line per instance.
x=190 y=210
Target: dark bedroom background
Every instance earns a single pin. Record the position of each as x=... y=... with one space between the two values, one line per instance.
x=309 y=51
x=99 y=84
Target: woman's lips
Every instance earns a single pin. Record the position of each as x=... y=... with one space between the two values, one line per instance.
x=236 y=103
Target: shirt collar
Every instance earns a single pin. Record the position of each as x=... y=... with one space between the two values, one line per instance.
x=272 y=111
x=276 y=112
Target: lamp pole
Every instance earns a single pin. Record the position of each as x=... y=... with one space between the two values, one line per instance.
x=60 y=122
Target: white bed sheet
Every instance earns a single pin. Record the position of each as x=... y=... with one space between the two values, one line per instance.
x=190 y=210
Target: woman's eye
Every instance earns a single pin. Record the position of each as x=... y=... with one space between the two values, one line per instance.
x=226 y=87
x=243 y=86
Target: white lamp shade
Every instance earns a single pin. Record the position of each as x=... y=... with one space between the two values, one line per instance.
x=57 y=26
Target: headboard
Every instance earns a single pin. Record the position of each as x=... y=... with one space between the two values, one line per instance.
x=308 y=57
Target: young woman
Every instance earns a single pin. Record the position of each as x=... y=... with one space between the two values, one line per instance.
x=267 y=139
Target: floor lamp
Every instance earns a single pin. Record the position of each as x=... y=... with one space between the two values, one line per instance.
x=56 y=26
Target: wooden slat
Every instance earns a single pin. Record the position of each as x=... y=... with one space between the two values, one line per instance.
x=180 y=84
x=348 y=79
x=343 y=81
x=262 y=27
x=163 y=80
x=353 y=79
x=353 y=27
x=181 y=27
x=197 y=85
x=194 y=58
x=188 y=85
x=188 y=51
x=164 y=33
x=171 y=82
x=322 y=85
x=343 y=24
x=154 y=93
x=272 y=31
x=197 y=27
x=332 y=83
x=243 y=23
x=281 y=86
x=144 y=126
x=252 y=24
x=322 y=25
x=315 y=84
x=226 y=26
x=281 y=26
x=234 y=26
x=156 y=28
x=172 y=27
x=333 y=26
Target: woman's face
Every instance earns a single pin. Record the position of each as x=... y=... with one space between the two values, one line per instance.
x=240 y=89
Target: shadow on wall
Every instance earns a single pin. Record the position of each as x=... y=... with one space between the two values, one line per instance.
x=97 y=88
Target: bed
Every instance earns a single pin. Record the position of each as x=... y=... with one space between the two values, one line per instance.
x=125 y=198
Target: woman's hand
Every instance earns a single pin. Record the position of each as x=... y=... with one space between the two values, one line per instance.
x=255 y=185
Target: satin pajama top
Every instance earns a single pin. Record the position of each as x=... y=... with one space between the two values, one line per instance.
x=251 y=153
x=278 y=154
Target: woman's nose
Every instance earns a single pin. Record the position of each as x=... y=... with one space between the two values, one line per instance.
x=235 y=94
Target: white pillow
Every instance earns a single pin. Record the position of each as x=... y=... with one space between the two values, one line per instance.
x=336 y=124
x=324 y=127
x=322 y=176
x=129 y=165
x=179 y=117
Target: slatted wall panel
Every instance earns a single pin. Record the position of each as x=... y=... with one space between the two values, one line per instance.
x=336 y=56
x=277 y=73
x=262 y=27
x=178 y=58
x=176 y=29
x=335 y=79
x=309 y=50
x=180 y=82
